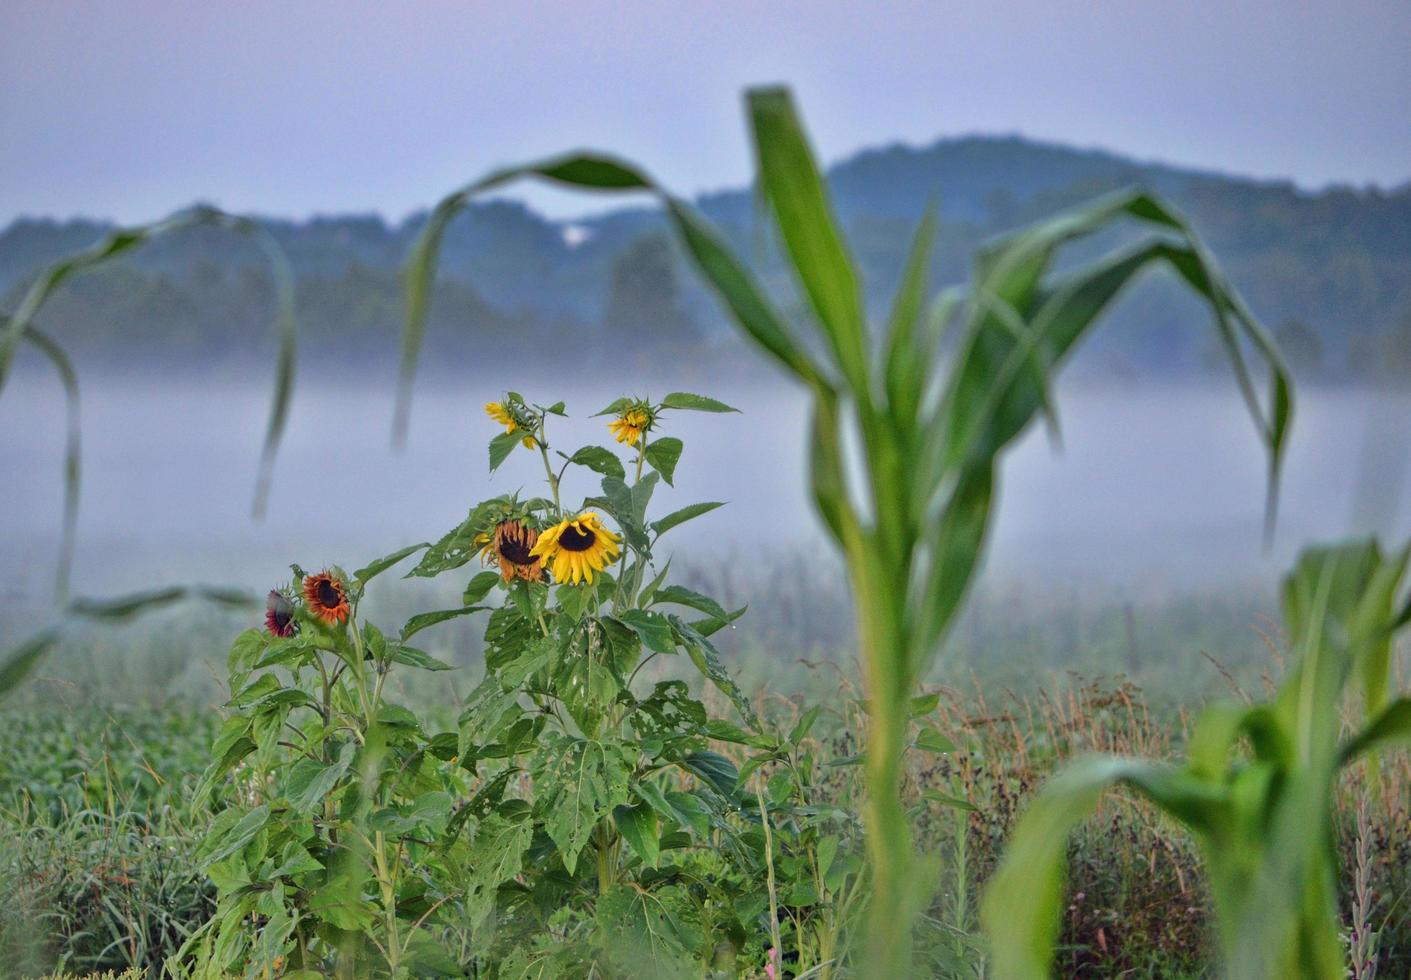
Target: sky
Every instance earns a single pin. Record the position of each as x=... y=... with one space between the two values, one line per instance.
x=129 y=110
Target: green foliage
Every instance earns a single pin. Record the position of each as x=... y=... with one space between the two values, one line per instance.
x=1257 y=790
x=354 y=836
x=914 y=533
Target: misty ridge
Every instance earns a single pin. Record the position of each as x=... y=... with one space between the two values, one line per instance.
x=1328 y=271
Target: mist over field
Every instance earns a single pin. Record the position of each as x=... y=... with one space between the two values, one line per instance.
x=1150 y=487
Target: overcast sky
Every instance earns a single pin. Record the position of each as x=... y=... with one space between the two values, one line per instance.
x=129 y=110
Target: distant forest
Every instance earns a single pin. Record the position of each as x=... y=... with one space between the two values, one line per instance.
x=1328 y=271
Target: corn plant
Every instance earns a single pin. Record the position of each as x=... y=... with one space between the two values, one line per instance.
x=20 y=328
x=1256 y=790
x=912 y=519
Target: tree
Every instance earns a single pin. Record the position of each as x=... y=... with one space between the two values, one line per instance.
x=644 y=311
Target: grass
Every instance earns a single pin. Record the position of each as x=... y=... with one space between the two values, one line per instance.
x=95 y=779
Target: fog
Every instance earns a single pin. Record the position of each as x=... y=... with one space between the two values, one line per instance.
x=1154 y=486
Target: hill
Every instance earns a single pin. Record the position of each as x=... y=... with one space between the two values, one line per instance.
x=1329 y=269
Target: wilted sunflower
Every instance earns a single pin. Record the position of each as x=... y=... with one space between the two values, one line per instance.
x=632 y=422
x=576 y=548
x=324 y=596
x=501 y=413
x=510 y=547
x=279 y=614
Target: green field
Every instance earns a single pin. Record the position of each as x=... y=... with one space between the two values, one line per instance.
x=102 y=752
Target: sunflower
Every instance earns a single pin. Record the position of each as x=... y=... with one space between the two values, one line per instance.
x=576 y=548
x=279 y=614
x=324 y=596
x=632 y=422
x=501 y=413
x=510 y=548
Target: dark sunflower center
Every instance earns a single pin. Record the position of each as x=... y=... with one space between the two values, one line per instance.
x=573 y=539
x=282 y=617
x=328 y=595
x=515 y=550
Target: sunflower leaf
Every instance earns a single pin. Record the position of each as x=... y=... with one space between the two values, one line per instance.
x=412 y=657
x=615 y=408
x=707 y=660
x=695 y=403
x=638 y=826
x=679 y=517
x=421 y=621
x=362 y=575
x=479 y=587
x=456 y=547
x=682 y=596
x=599 y=460
x=501 y=446
x=663 y=454
x=653 y=628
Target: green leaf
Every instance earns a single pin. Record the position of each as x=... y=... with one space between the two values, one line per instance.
x=923 y=704
x=653 y=628
x=455 y=548
x=599 y=460
x=682 y=596
x=723 y=731
x=218 y=846
x=362 y=575
x=804 y=725
x=421 y=621
x=707 y=660
x=497 y=857
x=309 y=782
x=930 y=740
x=128 y=606
x=794 y=189
x=695 y=403
x=954 y=802
x=502 y=445
x=479 y=587
x=663 y=454
x=68 y=377
x=638 y=826
x=412 y=657
x=644 y=934
x=907 y=361
x=683 y=515
x=715 y=769
x=578 y=783
x=1391 y=727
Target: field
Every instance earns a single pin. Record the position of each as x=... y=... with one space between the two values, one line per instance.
x=102 y=753
x=580 y=754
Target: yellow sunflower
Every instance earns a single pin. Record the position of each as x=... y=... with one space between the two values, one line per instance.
x=633 y=421
x=509 y=548
x=577 y=548
x=503 y=416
